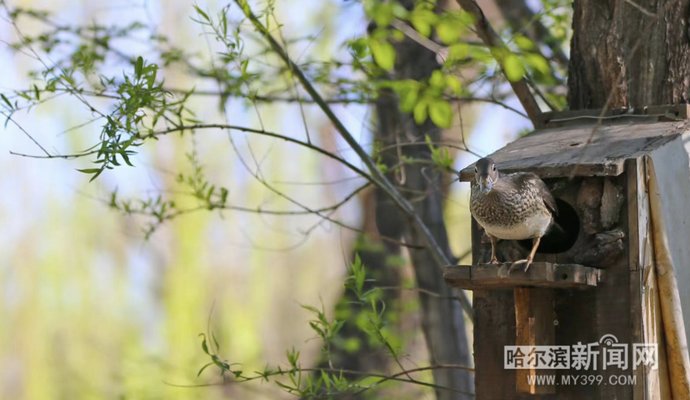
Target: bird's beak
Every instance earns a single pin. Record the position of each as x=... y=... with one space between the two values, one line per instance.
x=485 y=183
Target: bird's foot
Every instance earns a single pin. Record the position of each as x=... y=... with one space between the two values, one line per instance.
x=526 y=261
x=494 y=260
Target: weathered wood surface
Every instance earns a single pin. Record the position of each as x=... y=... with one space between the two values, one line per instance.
x=639 y=256
x=540 y=274
x=585 y=150
x=534 y=326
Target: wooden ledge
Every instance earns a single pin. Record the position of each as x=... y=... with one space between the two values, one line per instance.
x=540 y=274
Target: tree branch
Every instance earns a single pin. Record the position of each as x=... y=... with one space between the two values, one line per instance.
x=499 y=49
x=377 y=177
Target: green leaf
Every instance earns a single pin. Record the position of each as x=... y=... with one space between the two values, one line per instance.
x=408 y=97
x=513 y=67
x=441 y=113
x=523 y=42
x=293 y=357
x=95 y=171
x=538 y=62
x=383 y=52
x=369 y=381
x=310 y=308
x=383 y=14
x=422 y=19
x=439 y=155
x=408 y=91
x=51 y=85
x=458 y=52
x=325 y=378
x=358 y=47
x=201 y=13
x=220 y=363
x=359 y=274
x=138 y=66
x=204 y=347
x=224 y=21
x=6 y=100
x=454 y=84
x=420 y=111
x=437 y=79
x=89 y=170
x=480 y=54
x=448 y=30
x=125 y=157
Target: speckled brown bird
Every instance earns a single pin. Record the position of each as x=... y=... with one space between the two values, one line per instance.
x=513 y=207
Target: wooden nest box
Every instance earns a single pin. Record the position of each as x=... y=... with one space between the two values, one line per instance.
x=590 y=282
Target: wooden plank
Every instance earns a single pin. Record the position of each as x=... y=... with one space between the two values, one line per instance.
x=494 y=328
x=540 y=274
x=593 y=150
x=639 y=254
x=534 y=326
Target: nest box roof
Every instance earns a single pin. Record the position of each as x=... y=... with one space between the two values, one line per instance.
x=583 y=150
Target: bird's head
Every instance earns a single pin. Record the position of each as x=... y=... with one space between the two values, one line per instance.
x=485 y=174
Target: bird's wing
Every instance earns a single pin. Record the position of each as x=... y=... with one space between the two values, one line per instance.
x=547 y=196
x=531 y=179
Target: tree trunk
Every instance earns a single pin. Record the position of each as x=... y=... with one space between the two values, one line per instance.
x=629 y=54
x=442 y=317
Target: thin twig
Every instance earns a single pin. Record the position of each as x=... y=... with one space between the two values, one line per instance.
x=24 y=131
x=262 y=132
x=383 y=377
x=411 y=33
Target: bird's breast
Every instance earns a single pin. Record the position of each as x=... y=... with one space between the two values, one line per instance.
x=532 y=226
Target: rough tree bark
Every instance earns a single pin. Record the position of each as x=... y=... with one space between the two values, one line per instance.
x=629 y=53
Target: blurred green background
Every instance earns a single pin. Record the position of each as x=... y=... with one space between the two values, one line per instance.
x=90 y=309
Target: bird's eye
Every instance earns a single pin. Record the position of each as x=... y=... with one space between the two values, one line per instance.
x=475 y=170
x=493 y=167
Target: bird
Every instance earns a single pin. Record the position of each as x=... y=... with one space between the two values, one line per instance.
x=513 y=206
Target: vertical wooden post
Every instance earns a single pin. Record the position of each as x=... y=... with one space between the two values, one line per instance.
x=534 y=326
